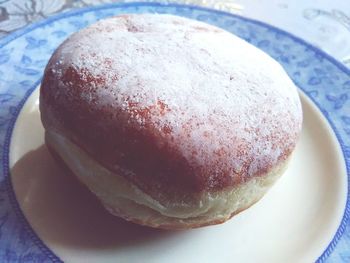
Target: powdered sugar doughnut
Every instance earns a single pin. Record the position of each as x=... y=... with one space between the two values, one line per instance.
x=171 y=122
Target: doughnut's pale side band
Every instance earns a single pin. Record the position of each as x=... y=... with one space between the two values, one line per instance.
x=124 y=199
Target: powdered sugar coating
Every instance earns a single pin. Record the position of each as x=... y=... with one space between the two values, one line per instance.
x=215 y=106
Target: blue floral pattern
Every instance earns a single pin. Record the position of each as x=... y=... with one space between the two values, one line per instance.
x=23 y=56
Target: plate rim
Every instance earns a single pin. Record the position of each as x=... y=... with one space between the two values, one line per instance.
x=6 y=147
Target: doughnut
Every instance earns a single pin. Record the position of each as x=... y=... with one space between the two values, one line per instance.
x=172 y=123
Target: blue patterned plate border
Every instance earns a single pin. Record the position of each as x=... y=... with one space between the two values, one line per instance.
x=24 y=54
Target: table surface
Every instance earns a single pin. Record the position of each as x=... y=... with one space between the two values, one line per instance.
x=323 y=23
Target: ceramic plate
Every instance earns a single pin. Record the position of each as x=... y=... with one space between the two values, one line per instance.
x=47 y=216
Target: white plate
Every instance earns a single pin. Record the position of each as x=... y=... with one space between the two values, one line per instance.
x=300 y=220
x=292 y=223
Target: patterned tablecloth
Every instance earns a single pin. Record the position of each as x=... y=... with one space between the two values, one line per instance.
x=324 y=23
